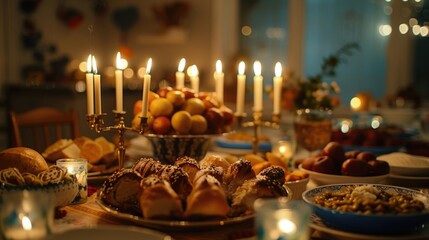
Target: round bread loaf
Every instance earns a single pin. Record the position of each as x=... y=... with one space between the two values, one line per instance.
x=26 y=160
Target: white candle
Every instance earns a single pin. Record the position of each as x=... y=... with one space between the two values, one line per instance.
x=277 y=82
x=241 y=86
x=195 y=80
x=119 y=84
x=146 y=88
x=97 y=87
x=89 y=87
x=258 y=86
x=219 y=80
x=180 y=75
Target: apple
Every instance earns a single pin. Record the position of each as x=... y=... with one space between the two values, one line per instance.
x=324 y=164
x=355 y=167
x=176 y=97
x=308 y=163
x=189 y=92
x=335 y=151
x=228 y=115
x=351 y=154
x=214 y=119
x=161 y=125
x=162 y=92
x=378 y=167
x=366 y=156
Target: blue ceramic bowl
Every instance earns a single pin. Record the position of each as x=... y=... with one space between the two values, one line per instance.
x=375 y=224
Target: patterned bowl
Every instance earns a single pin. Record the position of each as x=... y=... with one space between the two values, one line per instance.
x=64 y=191
x=374 y=224
x=167 y=148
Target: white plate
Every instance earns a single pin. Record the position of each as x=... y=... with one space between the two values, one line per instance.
x=110 y=233
x=406 y=164
x=175 y=224
x=325 y=179
x=330 y=233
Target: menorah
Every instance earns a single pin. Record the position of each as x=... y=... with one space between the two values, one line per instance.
x=257 y=123
x=96 y=123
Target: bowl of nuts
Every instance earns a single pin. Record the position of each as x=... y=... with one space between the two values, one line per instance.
x=374 y=209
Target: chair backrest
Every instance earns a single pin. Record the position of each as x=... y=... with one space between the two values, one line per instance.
x=40 y=127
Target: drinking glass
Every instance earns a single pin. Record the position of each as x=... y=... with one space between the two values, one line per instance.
x=26 y=214
x=77 y=167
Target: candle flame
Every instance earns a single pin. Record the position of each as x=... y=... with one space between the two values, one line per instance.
x=26 y=223
x=182 y=65
x=278 y=69
x=149 y=65
x=218 y=66
x=88 y=64
x=118 y=61
x=94 y=65
x=257 y=68
x=241 y=67
x=193 y=71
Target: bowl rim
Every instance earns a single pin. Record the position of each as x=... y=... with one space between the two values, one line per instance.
x=308 y=201
x=338 y=177
x=152 y=135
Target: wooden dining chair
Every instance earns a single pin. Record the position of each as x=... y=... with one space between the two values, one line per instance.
x=41 y=127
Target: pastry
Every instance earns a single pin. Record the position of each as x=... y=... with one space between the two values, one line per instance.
x=274 y=173
x=216 y=172
x=122 y=191
x=189 y=165
x=207 y=200
x=158 y=200
x=214 y=161
x=236 y=174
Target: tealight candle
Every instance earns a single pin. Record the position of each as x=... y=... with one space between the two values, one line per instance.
x=89 y=87
x=241 y=86
x=119 y=83
x=219 y=81
x=180 y=75
x=258 y=87
x=97 y=87
x=77 y=167
x=277 y=82
x=146 y=88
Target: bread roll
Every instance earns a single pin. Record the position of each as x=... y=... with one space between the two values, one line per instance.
x=207 y=200
x=26 y=160
x=158 y=200
x=53 y=152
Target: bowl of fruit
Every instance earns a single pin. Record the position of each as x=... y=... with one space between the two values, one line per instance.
x=334 y=165
x=182 y=123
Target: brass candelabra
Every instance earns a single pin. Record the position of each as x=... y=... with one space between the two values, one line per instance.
x=96 y=123
x=257 y=123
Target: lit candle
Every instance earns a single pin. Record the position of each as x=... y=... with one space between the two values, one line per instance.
x=89 y=87
x=119 y=83
x=180 y=75
x=78 y=168
x=219 y=78
x=241 y=86
x=97 y=87
x=195 y=80
x=258 y=87
x=146 y=88
x=277 y=82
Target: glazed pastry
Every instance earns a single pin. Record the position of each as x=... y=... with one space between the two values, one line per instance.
x=189 y=165
x=158 y=200
x=122 y=191
x=274 y=173
x=214 y=161
x=177 y=178
x=146 y=166
x=259 y=187
x=207 y=200
x=237 y=173
x=216 y=172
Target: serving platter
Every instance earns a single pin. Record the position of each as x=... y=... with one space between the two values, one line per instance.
x=172 y=224
x=110 y=232
x=332 y=233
